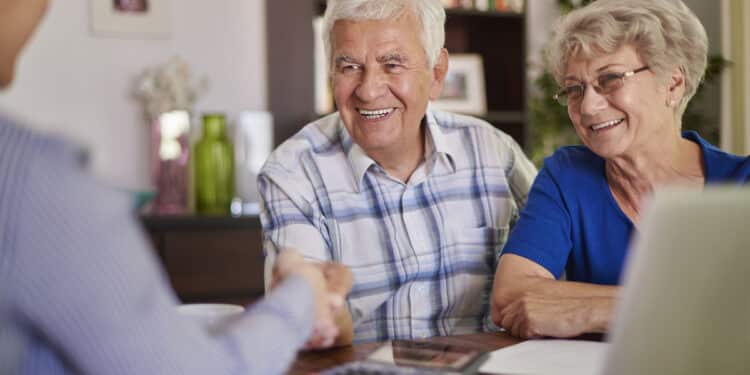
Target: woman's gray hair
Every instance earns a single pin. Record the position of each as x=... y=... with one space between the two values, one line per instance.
x=429 y=12
x=665 y=34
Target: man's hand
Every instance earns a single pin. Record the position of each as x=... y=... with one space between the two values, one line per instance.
x=536 y=315
x=330 y=282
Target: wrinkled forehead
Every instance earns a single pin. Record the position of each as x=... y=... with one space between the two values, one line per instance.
x=351 y=38
x=407 y=23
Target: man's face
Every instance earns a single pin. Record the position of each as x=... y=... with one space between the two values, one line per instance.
x=382 y=83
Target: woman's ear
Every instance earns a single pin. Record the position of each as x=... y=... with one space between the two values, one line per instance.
x=439 y=71
x=676 y=86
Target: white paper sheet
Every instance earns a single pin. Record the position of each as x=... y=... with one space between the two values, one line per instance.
x=548 y=357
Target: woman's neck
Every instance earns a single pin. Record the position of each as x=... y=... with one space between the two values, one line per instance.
x=634 y=176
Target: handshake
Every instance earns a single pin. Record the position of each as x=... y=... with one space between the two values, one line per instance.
x=330 y=283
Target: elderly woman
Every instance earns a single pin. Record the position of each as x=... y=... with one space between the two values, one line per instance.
x=627 y=70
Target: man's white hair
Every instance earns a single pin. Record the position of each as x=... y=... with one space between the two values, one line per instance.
x=429 y=12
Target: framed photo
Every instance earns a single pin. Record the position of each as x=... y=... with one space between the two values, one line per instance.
x=463 y=90
x=150 y=18
x=323 y=90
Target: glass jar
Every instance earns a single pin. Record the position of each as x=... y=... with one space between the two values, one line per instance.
x=214 y=167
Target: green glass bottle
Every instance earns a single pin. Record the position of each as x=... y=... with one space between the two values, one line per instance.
x=214 y=168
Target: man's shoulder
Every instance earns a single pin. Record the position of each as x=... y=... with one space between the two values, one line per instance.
x=477 y=131
x=451 y=120
x=319 y=138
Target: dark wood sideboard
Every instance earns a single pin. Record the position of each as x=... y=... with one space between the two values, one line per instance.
x=210 y=258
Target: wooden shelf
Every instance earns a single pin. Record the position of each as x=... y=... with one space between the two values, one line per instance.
x=481 y=13
x=195 y=222
x=210 y=258
x=503 y=117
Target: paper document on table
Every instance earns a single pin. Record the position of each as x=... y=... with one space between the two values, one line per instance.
x=548 y=357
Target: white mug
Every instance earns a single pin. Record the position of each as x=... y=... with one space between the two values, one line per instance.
x=210 y=315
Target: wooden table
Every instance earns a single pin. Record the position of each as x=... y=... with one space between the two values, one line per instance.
x=320 y=360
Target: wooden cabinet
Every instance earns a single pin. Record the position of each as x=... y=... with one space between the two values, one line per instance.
x=499 y=37
x=210 y=259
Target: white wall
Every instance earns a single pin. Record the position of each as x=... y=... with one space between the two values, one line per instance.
x=78 y=85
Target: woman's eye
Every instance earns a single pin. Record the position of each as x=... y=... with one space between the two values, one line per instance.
x=608 y=80
x=574 y=91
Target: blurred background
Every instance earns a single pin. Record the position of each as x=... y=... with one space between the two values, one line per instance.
x=259 y=55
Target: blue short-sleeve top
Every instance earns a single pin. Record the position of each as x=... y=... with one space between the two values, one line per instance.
x=572 y=222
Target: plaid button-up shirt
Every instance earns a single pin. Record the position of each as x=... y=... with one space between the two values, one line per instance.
x=423 y=253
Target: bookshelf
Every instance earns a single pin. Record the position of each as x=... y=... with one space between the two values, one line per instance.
x=499 y=37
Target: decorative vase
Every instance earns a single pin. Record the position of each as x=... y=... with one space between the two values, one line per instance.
x=169 y=162
x=214 y=168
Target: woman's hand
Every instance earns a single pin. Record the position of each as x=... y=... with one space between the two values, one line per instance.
x=538 y=315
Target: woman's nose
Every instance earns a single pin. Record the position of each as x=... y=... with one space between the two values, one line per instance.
x=592 y=101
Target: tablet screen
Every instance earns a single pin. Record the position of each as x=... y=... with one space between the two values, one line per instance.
x=428 y=355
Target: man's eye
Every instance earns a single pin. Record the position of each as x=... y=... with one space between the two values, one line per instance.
x=349 y=68
x=393 y=67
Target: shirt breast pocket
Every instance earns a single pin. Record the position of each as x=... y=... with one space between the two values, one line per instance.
x=479 y=246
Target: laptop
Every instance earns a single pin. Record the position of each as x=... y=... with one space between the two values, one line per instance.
x=685 y=306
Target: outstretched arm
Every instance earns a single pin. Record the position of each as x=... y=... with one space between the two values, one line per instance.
x=292 y=219
x=528 y=301
x=331 y=283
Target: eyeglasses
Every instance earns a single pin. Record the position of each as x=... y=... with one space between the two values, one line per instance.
x=605 y=84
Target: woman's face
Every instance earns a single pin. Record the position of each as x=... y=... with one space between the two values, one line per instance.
x=622 y=121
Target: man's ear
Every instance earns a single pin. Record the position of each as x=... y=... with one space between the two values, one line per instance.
x=439 y=72
x=676 y=86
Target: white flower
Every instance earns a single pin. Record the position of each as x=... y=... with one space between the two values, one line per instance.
x=168 y=87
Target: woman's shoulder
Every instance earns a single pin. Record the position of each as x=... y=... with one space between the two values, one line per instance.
x=721 y=165
x=573 y=161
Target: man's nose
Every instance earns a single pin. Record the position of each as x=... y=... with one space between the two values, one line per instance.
x=372 y=86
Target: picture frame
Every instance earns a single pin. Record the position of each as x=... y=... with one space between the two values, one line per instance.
x=463 y=89
x=138 y=18
x=323 y=91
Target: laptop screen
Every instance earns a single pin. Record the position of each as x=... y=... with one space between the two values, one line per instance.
x=685 y=304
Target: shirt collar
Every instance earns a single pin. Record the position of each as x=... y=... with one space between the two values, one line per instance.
x=445 y=147
x=439 y=150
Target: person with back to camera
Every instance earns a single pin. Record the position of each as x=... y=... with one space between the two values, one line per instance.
x=627 y=70
x=80 y=290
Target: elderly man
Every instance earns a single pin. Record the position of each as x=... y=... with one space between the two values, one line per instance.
x=80 y=290
x=417 y=203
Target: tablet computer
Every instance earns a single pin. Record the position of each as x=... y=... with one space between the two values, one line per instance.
x=443 y=358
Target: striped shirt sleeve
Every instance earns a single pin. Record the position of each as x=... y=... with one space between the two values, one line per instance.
x=83 y=283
